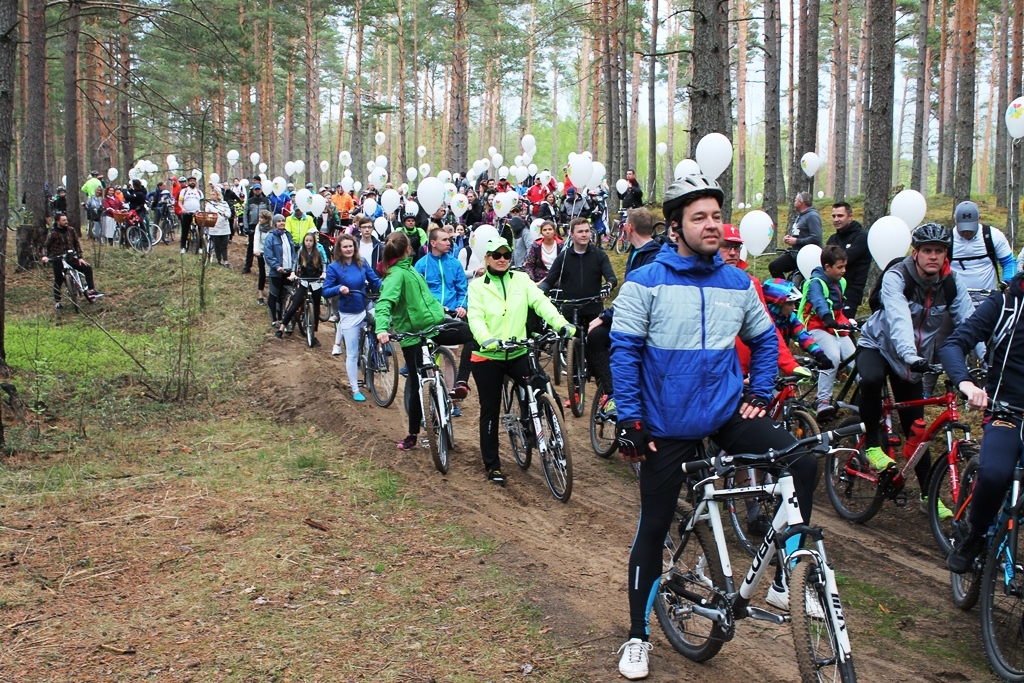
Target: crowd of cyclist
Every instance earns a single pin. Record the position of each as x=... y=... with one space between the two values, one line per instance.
x=717 y=336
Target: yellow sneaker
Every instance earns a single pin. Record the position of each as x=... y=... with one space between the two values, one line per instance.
x=944 y=512
x=878 y=459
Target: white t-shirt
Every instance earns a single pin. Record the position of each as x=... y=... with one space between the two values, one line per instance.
x=366 y=251
x=190 y=199
x=548 y=257
x=976 y=269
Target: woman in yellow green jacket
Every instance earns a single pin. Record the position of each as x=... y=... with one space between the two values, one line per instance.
x=499 y=301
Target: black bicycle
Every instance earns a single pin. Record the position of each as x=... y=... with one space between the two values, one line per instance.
x=572 y=352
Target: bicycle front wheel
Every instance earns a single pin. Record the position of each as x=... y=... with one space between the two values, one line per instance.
x=156 y=233
x=750 y=517
x=380 y=370
x=691 y=567
x=138 y=239
x=577 y=365
x=966 y=587
x=72 y=289
x=558 y=365
x=851 y=483
x=940 y=491
x=511 y=420
x=308 y=323
x=555 y=458
x=432 y=416
x=602 y=428
x=1002 y=602
x=817 y=645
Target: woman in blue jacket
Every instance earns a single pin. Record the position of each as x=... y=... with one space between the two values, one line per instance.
x=279 y=254
x=347 y=279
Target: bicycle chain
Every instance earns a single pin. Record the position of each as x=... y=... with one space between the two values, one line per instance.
x=726 y=607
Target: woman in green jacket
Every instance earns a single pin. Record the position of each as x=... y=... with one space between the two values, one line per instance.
x=406 y=305
x=498 y=305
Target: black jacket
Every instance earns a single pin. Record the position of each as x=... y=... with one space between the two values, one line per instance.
x=633 y=197
x=854 y=241
x=579 y=276
x=253 y=206
x=637 y=258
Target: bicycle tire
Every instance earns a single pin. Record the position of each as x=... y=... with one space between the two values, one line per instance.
x=116 y=237
x=558 y=364
x=446 y=365
x=621 y=243
x=738 y=512
x=138 y=239
x=167 y=228
x=966 y=587
x=693 y=636
x=940 y=489
x=308 y=325
x=156 y=233
x=1002 y=612
x=802 y=424
x=851 y=483
x=432 y=420
x=193 y=240
x=659 y=229
x=556 y=459
x=72 y=288
x=817 y=647
x=576 y=362
x=380 y=370
x=512 y=421
x=603 y=438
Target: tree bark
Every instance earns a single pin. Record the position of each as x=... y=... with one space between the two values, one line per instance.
x=999 y=178
x=1016 y=67
x=773 y=189
x=948 y=139
x=245 y=86
x=8 y=53
x=125 y=78
x=861 y=95
x=356 y=147
x=741 y=101
x=30 y=240
x=554 y=112
x=585 y=78
x=967 y=23
x=806 y=124
x=841 y=120
x=919 y=163
x=73 y=164
x=313 y=172
x=673 y=75
x=652 y=128
x=458 y=140
x=709 y=89
x=882 y=65
x=940 y=162
x=791 y=97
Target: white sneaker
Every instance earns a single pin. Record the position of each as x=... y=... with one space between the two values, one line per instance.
x=633 y=663
x=183 y=250
x=336 y=350
x=814 y=608
x=779 y=599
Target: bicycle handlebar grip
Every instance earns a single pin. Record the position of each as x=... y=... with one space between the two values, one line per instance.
x=849 y=430
x=696 y=466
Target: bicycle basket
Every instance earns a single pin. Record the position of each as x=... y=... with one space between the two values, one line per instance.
x=205 y=219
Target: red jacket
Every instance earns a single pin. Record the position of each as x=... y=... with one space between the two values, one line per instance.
x=787 y=363
x=536 y=194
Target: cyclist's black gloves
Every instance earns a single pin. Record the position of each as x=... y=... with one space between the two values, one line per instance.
x=754 y=400
x=822 y=360
x=606 y=291
x=830 y=321
x=920 y=365
x=633 y=439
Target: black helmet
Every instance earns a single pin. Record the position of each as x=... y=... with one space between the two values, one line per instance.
x=688 y=189
x=930 y=233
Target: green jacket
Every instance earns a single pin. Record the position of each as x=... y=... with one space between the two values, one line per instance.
x=298 y=228
x=498 y=308
x=406 y=302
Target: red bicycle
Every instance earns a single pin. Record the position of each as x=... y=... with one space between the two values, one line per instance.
x=857 y=491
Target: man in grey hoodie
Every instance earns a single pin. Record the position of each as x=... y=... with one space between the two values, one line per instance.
x=806 y=230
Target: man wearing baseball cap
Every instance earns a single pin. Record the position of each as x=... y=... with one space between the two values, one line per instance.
x=257 y=202
x=979 y=251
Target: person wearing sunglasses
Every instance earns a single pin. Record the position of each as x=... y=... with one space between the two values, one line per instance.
x=498 y=305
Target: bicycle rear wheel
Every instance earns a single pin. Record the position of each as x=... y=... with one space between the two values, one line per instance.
x=966 y=587
x=802 y=424
x=817 y=646
x=602 y=428
x=577 y=364
x=555 y=458
x=691 y=566
x=380 y=369
x=851 y=483
x=432 y=415
x=193 y=240
x=511 y=420
x=156 y=233
x=1002 y=602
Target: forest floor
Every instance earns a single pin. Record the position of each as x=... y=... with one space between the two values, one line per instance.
x=273 y=532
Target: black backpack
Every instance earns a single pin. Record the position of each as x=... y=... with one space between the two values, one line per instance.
x=875 y=297
x=990 y=250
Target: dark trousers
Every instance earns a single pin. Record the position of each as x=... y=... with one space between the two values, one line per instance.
x=873 y=369
x=489 y=376
x=275 y=304
x=220 y=247
x=1000 y=453
x=249 y=253
x=58 y=275
x=261 y=281
x=414 y=360
x=186 y=225
x=599 y=346
x=661 y=479
x=297 y=300
x=785 y=263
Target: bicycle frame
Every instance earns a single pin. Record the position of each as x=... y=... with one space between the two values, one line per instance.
x=528 y=393
x=428 y=370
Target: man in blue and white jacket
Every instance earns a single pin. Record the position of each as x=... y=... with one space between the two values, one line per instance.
x=677 y=380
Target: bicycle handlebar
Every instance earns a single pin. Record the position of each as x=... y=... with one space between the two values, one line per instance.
x=422 y=335
x=577 y=302
x=722 y=463
x=513 y=343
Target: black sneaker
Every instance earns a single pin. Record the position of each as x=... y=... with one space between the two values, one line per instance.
x=496 y=477
x=963 y=556
x=260 y=301
x=58 y=307
x=316 y=342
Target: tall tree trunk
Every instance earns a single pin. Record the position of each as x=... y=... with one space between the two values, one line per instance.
x=967 y=23
x=32 y=163
x=898 y=155
x=710 y=109
x=585 y=77
x=526 y=101
x=8 y=53
x=554 y=112
x=772 y=115
x=919 y=163
x=741 y=101
x=93 y=117
x=673 y=75
x=458 y=141
x=940 y=161
x=399 y=162
x=125 y=73
x=791 y=154
x=1016 y=68
x=806 y=125
x=841 y=120
x=652 y=127
x=288 y=133
x=882 y=65
x=73 y=165
x=356 y=148
x=861 y=93
x=274 y=156
x=313 y=172
x=999 y=178
x=245 y=86
x=948 y=139
x=993 y=88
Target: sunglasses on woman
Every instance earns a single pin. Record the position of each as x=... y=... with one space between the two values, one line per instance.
x=501 y=255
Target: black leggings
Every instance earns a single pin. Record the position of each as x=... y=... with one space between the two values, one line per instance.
x=413 y=357
x=220 y=247
x=490 y=377
x=1000 y=453
x=782 y=264
x=275 y=303
x=661 y=478
x=261 y=282
x=297 y=300
x=873 y=369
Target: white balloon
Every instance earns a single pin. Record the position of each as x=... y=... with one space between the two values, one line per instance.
x=449 y=192
x=344 y=158
x=348 y=173
x=370 y=165
x=289 y=168
x=621 y=185
x=535 y=229
x=424 y=170
x=346 y=183
x=444 y=176
x=390 y=200
x=254 y=158
x=497 y=160
x=560 y=187
x=486 y=163
x=521 y=172
x=481 y=236
x=380 y=226
x=411 y=174
x=324 y=166
x=888 y=238
x=518 y=161
x=503 y=172
x=459 y=204
x=808 y=258
x=381 y=161
x=300 y=166
x=757 y=230
x=379 y=138
x=713 y=154
x=588 y=155
x=370 y=206
x=264 y=180
x=303 y=199
x=532 y=168
x=810 y=163
x=214 y=178
x=821 y=194
x=662 y=149
x=580 y=169
x=545 y=177
x=430 y=193
x=278 y=187
x=379 y=178
x=357 y=187
x=403 y=188
x=144 y=183
x=197 y=174
x=64 y=180
x=263 y=168
x=173 y=165
x=232 y=156
x=421 y=151
x=529 y=143
x=758 y=196
x=596 y=176
x=479 y=167
x=503 y=203
x=111 y=174
x=491 y=151
x=411 y=208
x=909 y=206
x=1014 y=118
x=317 y=205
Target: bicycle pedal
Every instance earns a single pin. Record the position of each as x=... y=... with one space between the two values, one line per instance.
x=900 y=499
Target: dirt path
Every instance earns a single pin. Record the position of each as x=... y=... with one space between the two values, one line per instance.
x=576 y=553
